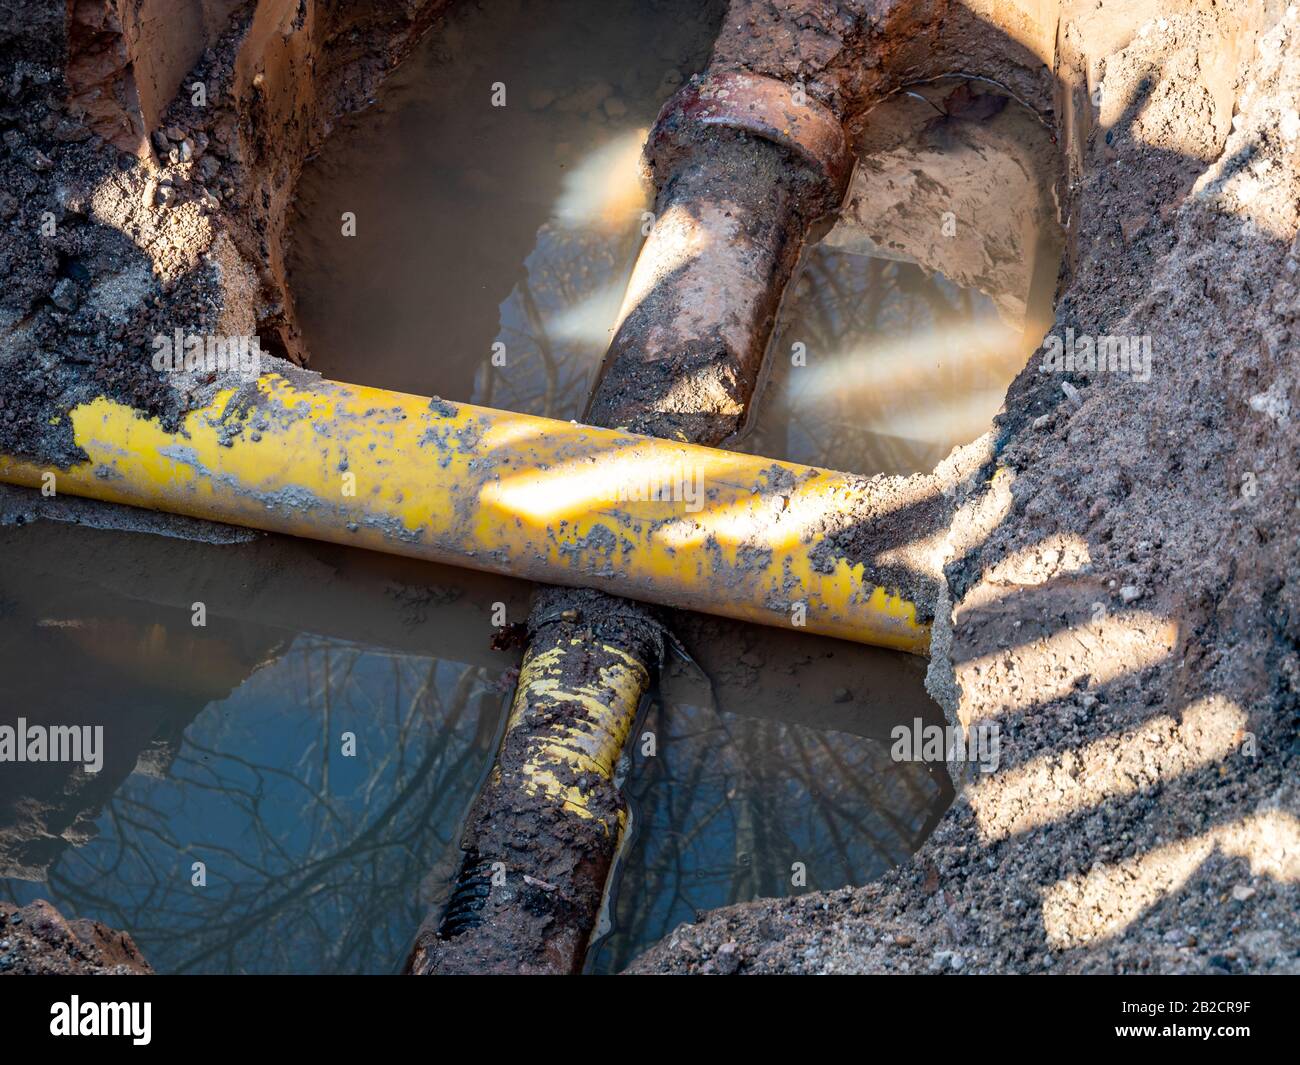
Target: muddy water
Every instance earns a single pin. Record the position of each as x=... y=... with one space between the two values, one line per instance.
x=283 y=786
x=493 y=243
x=313 y=744
x=879 y=367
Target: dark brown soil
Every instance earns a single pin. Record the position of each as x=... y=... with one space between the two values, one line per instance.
x=36 y=940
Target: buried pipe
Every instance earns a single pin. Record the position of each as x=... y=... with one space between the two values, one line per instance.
x=744 y=165
x=550 y=501
x=541 y=837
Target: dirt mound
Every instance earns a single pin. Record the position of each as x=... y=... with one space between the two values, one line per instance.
x=1125 y=600
x=37 y=940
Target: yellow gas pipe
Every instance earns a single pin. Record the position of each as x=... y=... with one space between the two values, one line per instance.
x=550 y=501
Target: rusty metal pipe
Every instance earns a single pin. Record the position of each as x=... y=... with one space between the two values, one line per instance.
x=744 y=165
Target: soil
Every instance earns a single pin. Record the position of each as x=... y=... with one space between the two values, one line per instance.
x=113 y=233
x=1122 y=595
x=36 y=940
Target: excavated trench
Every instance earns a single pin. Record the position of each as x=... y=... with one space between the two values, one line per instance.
x=309 y=752
x=771 y=749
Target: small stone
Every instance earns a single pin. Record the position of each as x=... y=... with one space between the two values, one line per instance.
x=164 y=196
x=1242 y=892
x=38 y=160
x=187 y=150
x=903 y=940
x=727 y=961
x=175 y=133
x=8 y=205
x=66 y=296
x=1132 y=226
x=1071 y=393
x=1041 y=421
x=1129 y=593
x=161 y=142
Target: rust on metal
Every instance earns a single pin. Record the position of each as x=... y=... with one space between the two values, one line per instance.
x=762 y=107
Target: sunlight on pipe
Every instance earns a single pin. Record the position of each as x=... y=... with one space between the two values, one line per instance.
x=677 y=239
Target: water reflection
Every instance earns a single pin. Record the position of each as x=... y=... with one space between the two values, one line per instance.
x=879 y=367
x=731 y=807
x=316 y=743
x=321 y=782
x=493 y=244
x=313 y=859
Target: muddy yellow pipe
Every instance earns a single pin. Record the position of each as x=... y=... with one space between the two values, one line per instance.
x=584 y=728
x=550 y=501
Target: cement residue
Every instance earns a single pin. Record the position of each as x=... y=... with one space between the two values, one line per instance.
x=1124 y=589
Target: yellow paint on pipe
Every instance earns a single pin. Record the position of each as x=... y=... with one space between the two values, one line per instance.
x=557 y=502
x=583 y=726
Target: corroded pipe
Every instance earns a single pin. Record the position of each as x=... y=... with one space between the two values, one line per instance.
x=744 y=165
x=550 y=501
x=543 y=833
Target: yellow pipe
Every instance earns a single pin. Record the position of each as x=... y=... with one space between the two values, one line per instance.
x=556 y=502
x=584 y=728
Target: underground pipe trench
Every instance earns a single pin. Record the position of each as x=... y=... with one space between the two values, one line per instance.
x=722 y=372
x=1048 y=54
x=354 y=465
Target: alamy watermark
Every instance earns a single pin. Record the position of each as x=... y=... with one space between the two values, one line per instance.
x=53 y=743
x=1103 y=354
x=77 y=1018
x=208 y=353
x=919 y=742
x=676 y=484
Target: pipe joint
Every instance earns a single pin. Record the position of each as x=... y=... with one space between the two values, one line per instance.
x=762 y=107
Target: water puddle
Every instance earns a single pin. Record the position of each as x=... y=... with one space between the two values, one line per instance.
x=493 y=244
x=283 y=786
x=314 y=743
